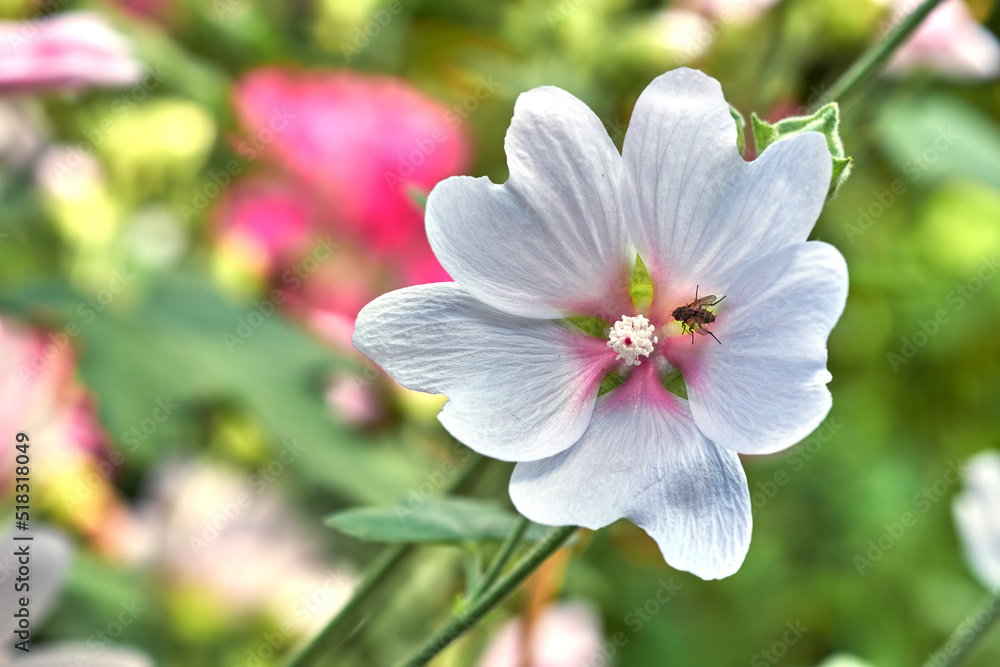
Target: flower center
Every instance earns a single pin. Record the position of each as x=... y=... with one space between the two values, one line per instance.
x=632 y=337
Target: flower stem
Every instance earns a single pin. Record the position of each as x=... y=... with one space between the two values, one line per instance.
x=961 y=641
x=376 y=574
x=500 y=560
x=876 y=56
x=381 y=568
x=464 y=622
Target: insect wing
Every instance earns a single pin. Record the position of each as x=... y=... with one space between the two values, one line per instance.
x=703 y=301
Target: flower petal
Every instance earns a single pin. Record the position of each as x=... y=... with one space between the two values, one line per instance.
x=50 y=558
x=693 y=207
x=643 y=458
x=519 y=389
x=977 y=514
x=551 y=240
x=764 y=388
x=70 y=50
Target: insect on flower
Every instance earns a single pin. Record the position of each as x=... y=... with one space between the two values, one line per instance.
x=695 y=316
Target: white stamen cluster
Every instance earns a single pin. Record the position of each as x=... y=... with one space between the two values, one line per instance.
x=632 y=337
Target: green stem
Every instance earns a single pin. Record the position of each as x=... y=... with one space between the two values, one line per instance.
x=506 y=551
x=961 y=641
x=876 y=56
x=464 y=622
x=381 y=568
x=377 y=573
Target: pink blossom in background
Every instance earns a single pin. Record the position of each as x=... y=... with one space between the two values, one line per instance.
x=949 y=41
x=66 y=51
x=687 y=29
x=157 y=10
x=266 y=221
x=39 y=395
x=360 y=142
x=353 y=399
x=214 y=528
x=566 y=635
x=330 y=296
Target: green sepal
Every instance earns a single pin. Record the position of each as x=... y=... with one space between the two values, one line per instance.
x=612 y=381
x=642 y=286
x=741 y=123
x=841 y=170
x=592 y=326
x=764 y=134
x=825 y=120
x=674 y=383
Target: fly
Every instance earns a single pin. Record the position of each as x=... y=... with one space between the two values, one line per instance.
x=695 y=316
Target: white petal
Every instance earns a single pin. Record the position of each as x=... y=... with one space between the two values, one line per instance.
x=519 y=389
x=551 y=240
x=977 y=514
x=693 y=207
x=764 y=388
x=78 y=653
x=643 y=458
x=50 y=553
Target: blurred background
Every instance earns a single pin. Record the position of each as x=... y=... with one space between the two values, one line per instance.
x=197 y=197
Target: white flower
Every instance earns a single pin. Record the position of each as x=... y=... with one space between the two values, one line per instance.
x=977 y=513
x=949 y=41
x=50 y=553
x=559 y=239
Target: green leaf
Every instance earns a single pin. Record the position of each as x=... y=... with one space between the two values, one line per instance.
x=938 y=138
x=179 y=343
x=741 y=123
x=642 y=286
x=435 y=520
x=825 y=120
